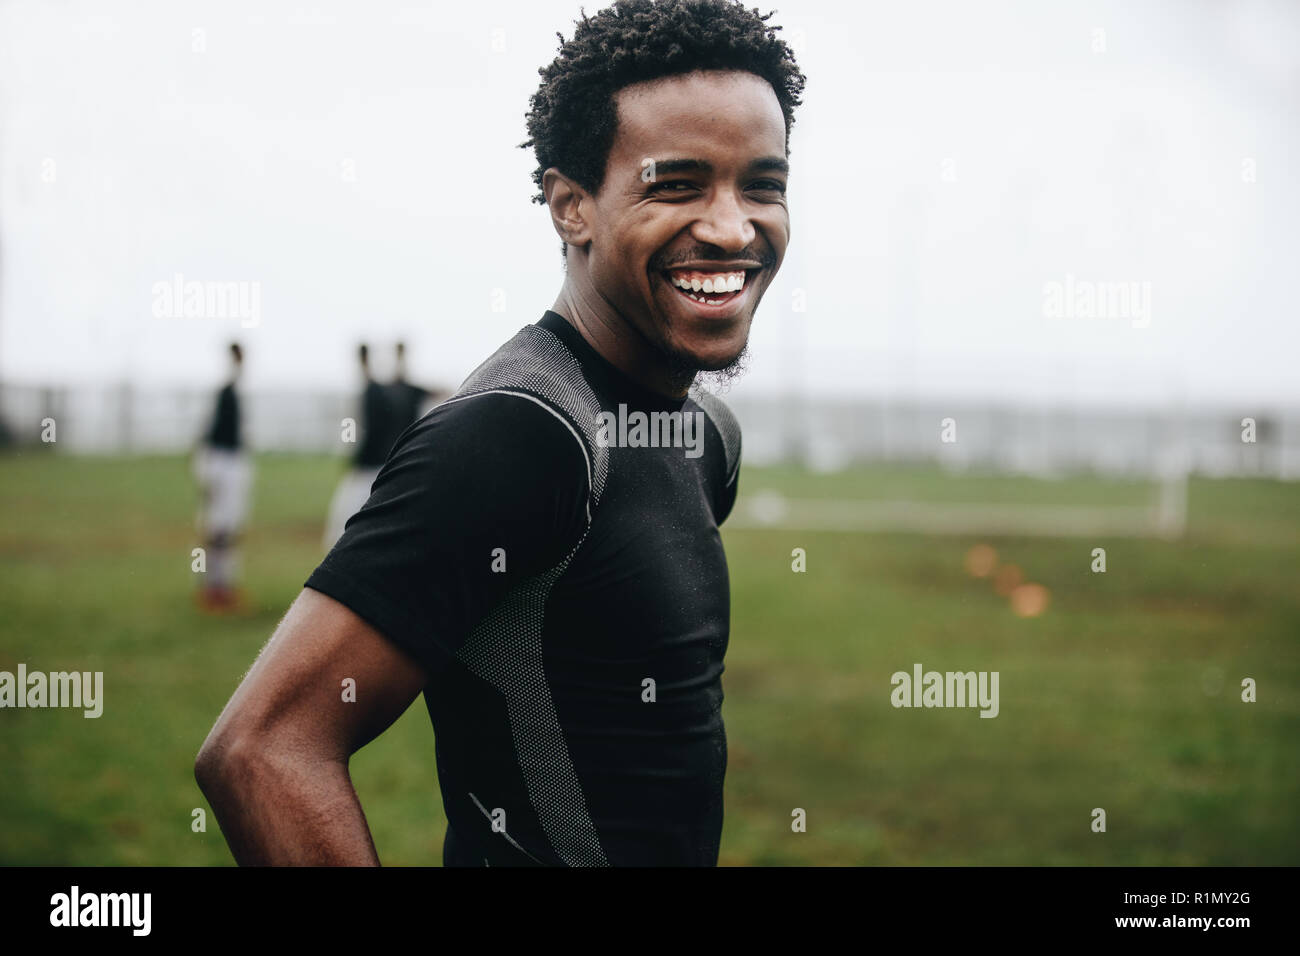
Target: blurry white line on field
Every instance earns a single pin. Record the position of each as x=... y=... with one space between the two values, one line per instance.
x=767 y=510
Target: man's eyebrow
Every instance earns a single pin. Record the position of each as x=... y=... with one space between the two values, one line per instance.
x=667 y=167
x=771 y=164
x=670 y=166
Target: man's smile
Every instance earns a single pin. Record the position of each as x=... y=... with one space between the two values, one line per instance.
x=713 y=292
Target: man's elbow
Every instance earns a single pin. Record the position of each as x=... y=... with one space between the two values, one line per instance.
x=238 y=759
x=219 y=761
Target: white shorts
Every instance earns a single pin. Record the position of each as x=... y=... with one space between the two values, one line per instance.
x=225 y=480
x=353 y=492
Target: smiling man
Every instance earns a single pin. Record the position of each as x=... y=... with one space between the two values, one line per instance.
x=556 y=587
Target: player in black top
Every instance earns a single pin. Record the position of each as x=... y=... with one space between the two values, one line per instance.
x=378 y=428
x=224 y=474
x=408 y=398
x=540 y=553
x=380 y=423
x=386 y=411
x=224 y=431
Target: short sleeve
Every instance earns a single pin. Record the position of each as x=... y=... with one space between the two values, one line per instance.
x=478 y=496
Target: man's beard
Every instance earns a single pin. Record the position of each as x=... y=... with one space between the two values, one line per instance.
x=684 y=374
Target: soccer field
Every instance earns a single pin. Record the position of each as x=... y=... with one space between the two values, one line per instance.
x=1124 y=694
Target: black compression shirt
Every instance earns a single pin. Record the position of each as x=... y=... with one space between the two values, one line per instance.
x=564 y=584
x=224 y=431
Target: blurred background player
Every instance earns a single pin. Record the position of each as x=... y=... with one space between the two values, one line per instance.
x=408 y=399
x=379 y=426
x=386 y=411
x=224 y=473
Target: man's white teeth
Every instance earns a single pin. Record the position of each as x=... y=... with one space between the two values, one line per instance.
x=716 y=284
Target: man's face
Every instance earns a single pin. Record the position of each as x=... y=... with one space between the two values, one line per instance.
x=694 y=192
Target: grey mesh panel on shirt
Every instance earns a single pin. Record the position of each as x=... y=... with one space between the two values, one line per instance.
x=725 y=422
x=505 y=649
x=536 y=361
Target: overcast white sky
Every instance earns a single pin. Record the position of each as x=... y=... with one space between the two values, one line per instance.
x=951 y=159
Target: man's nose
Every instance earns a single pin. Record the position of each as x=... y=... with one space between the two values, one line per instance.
x=725 y=223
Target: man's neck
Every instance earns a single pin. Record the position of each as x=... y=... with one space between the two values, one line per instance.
x=616 y=340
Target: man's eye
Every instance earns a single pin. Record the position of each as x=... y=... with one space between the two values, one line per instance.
x=770 y=184
x=668 y=186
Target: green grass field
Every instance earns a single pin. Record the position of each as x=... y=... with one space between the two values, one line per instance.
x=1124 y=694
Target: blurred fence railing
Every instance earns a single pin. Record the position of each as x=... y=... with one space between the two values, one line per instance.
x=1034 y=440
x=823 y=434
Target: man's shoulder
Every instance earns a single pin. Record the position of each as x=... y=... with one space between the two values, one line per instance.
x=531 y=391
x=535 y=362
x=724 y=420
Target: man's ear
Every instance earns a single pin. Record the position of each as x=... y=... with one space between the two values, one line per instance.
x=567 y=201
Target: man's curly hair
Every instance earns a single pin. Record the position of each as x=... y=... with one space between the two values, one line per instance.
x=572 y=120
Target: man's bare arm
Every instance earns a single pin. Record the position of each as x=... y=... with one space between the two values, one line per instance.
x=275 y=766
